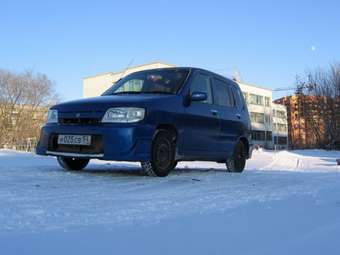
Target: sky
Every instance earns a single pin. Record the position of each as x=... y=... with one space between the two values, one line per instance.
x=267 y=42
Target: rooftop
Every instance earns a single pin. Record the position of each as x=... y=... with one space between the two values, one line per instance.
x=130 y=68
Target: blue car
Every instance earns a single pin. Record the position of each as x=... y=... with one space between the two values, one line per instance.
x=157 y=117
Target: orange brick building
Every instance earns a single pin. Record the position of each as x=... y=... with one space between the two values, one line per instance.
x=306 y=120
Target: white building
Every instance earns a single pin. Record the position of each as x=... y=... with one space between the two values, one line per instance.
x=280 y=126
x=95 y=85
x=269 y=120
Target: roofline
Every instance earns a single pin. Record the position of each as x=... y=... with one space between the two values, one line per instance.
x=252 y=85
x=172 y=65
x=132 y=67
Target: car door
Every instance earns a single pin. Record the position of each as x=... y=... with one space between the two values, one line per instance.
x=202 y=125
x=228 y=113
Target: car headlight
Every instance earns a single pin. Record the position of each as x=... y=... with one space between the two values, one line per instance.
x=52 y=116
x=123 y=115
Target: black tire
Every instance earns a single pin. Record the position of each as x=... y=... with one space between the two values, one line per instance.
x=162 y=155
x=237 y=162
x=174 y=165
x=73 y=164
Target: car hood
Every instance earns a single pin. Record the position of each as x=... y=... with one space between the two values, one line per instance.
x=102 y=103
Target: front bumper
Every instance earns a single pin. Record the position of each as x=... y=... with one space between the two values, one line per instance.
x=122 y=142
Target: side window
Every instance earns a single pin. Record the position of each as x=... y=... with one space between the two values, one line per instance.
x=201 y=83
x=238 y=98
x=131 y=85
x=222 y=93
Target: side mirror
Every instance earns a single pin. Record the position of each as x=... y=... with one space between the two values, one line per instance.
x=199 y=96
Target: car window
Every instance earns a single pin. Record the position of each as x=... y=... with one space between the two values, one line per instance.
x=167 y=81
x=222 y=93
x=133 y=85
x=201 y=83
x=238 y=98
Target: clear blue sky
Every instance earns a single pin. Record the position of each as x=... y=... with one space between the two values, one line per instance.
x=269 y=42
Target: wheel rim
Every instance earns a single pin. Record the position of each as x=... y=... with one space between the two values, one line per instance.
x=163 y=154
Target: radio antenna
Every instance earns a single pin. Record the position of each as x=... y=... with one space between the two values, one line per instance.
x=127 y=68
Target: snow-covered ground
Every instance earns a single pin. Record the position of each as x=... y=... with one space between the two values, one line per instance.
x=284 y=203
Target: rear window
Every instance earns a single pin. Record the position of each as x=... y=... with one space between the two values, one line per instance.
x=222 y=93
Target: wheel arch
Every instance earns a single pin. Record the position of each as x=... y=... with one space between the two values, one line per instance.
x=245 y=142
x=169 y=127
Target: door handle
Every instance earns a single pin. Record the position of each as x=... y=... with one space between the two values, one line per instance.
x=214 y=112
x=238 y=116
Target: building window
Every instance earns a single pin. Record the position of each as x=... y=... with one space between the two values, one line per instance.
x=281 y=114
x=268 y=136
x=255 y=99
x=258 y=135
x=281 y=127
x=267 y=118
x=282 y=140
x=257 y=117
x=267 y=101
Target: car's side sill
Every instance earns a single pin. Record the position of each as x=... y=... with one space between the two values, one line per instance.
x=75 y=155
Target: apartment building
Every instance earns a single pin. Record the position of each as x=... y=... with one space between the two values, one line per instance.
x=307 y=117
x=268 y=131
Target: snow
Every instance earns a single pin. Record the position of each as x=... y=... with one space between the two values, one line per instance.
x=286 y=202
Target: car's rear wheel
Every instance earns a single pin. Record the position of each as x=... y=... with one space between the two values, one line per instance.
x=237 y=162
x=72 y=164
x=162 y=155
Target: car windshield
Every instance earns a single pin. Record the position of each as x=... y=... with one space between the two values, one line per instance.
x=160 y=81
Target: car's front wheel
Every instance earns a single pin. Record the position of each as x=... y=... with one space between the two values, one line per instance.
x=72 y=164
x=162 y=155
x=237 y=161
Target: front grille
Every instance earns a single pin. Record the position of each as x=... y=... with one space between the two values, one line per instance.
x=79 y=121
x=96 y=146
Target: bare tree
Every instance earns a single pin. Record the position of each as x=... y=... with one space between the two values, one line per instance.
x=24 y=101
x=320 y=92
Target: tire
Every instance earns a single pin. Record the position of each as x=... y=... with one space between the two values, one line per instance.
x=237 y=162
x=174 y=165
x=162 y=155
x=73 y=164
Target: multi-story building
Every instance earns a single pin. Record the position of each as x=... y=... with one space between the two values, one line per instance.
x=268 y=120
x=280 y=126
x=95 y=85
x=306 y=115
x=259 y=101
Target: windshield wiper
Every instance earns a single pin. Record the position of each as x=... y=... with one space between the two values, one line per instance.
x=126 y=92
x=142 y=92
x=156 y=92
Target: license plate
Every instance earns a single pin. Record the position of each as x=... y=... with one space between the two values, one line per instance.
x=74 y=139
